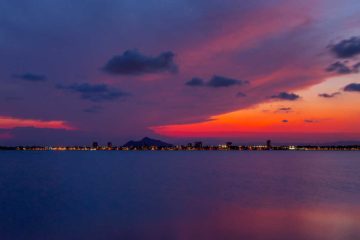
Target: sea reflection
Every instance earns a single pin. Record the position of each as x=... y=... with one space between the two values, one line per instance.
x=179 y=195
x=239 y=223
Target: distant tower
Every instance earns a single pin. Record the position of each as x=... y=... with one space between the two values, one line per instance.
x=109 y=145
x=228 y=144
x=95 y=145
x=268 y=144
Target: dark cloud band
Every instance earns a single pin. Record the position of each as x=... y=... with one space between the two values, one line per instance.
x=352 y=87
x=31 y=77
x=346 y=48
x=195 y=82
x=286 y=96
x=329 y=95
x=215 y=82
x=132 y=62
x=339 y=67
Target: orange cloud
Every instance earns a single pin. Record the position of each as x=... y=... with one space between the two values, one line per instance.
x=7 y=122
x=309 y=116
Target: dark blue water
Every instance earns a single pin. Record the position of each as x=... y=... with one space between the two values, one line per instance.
x=179 y=195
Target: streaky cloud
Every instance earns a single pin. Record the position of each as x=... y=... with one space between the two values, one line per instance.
x=94 y=93
x=31 y=77
x=195 y=82
x=284 y=110
x=93 y=109
x=329 y=95
x=311 y=121
x=9 y=122
x=241 y=94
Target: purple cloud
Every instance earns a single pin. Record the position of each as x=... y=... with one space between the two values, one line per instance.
x=286 y=96
x=240 y=94
x=352 y=87
x=219 y=81
x=132 y=62
x=339 y=67
x=346 y=48
x=94 y=93
x=32 y=77
x=216 y=82
x=195 y=82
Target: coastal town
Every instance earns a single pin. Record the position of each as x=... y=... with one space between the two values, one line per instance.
x=148 y=144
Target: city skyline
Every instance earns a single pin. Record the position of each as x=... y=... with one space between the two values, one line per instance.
x=146 y=144
x=181 y=71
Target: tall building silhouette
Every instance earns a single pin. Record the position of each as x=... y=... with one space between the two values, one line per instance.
x=268 y=144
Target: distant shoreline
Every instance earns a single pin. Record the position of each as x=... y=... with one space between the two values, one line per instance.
x=148 y=144
x=184 y=148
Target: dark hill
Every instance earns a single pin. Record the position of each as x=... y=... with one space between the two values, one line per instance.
x=147 y=142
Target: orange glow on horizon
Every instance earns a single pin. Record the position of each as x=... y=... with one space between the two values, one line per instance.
x=310 y=114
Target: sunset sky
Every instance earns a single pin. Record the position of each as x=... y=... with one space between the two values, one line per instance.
x=73 y=71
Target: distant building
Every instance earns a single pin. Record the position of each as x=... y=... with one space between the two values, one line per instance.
x=189 y=146
x=198 y=145
x=222 y=147
x=109 y=144
x=268 y=144
x=228 y=144
x=95 y=145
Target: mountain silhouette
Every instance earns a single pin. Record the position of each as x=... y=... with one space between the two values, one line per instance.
x=147 y=142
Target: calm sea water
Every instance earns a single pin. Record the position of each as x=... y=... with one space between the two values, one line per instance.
x=179 y=195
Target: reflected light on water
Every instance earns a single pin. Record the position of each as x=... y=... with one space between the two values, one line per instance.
x=239 y=223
